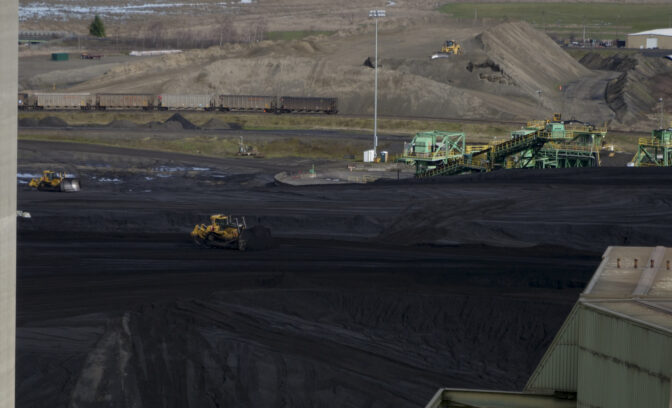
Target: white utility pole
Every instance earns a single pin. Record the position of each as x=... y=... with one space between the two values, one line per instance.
x=375 y=14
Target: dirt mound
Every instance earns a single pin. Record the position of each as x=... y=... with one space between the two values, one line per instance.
x=634 y=94
x=258 y=238
x=186 y=124
x=618 y=62
x=29 y=122
x=215 y=124
x=519 y=50
x=52 y=121
x=497 y=76
x=122 y=124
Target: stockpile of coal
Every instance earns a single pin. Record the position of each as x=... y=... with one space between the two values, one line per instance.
x=257 y=238
x=185 y=123
x=165 y=125
x=173 y=123
x=49 y=121
x=369 y=295
x=635 y=93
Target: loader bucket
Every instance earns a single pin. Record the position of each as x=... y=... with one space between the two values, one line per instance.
x=70 y=185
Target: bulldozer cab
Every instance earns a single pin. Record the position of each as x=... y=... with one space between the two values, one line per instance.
x=450 y=43
x=220 y=220
x=49 y=175
x=224 y=231
x=226 y=221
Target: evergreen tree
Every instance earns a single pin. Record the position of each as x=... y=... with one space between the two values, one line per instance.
x=97 y=29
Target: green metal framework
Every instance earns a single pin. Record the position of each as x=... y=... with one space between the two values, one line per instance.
x=541 y=144
x=567 y=146
x=655 y=151
x=487 y=159
x=429 y=150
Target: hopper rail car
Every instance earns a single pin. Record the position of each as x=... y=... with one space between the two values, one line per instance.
x=179 y=102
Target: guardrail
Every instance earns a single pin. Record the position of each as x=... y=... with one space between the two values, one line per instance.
x=440 y=155
x=646 y=141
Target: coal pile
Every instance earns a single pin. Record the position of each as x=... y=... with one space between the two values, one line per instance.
x=258 y=238
x=165 y=125
x=186 y=124
x=52 y=121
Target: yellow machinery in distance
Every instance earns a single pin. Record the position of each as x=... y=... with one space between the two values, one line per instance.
x=55 y=181
x=450 y=47
x=224 y=231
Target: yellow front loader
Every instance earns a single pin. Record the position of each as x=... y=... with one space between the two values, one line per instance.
x=223 y=231
x=450 y=47
x=55 y=181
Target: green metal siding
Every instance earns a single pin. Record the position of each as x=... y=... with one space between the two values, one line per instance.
x=622 y=363
x=558 y=368
x=59 y=56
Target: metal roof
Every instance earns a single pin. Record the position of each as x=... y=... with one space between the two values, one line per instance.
x=454 y=397
x=667 y=32
x=634 y=283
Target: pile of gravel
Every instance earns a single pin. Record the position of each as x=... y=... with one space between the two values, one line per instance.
x=257 y=238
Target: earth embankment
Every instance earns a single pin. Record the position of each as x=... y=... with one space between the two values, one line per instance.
x=498 y=75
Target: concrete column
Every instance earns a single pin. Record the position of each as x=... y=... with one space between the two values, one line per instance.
x=9 y=68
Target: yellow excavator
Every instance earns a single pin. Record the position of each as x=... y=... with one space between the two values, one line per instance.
x=223 y=231
x=55 y=181
x=451 y=47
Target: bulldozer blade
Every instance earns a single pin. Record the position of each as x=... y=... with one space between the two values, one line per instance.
x=70 y=185
x=440 y=55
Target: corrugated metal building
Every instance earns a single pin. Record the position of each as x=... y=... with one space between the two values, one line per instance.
x=614 y=349
x=661 y=38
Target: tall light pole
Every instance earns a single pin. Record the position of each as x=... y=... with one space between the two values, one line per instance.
x=375 y=14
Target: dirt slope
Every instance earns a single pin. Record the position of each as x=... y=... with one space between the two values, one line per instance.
x=497 y=76
x=521 y=51
x=634 y=94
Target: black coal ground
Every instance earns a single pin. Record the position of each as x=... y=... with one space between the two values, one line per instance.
x=373 y=296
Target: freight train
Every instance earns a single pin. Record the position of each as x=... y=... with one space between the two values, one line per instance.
x=151 y=102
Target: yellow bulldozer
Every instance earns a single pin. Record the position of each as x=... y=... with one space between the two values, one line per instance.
x=450 y=47
x=223 y=231
x=55 y=181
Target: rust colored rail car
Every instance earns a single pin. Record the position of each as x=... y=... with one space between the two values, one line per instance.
x=40 y=101
x=246 y=103
x=148 y=102
x=126 y=101
x=186 y=102
x=306 y=104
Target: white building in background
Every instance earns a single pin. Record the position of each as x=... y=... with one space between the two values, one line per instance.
x=652 y=39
